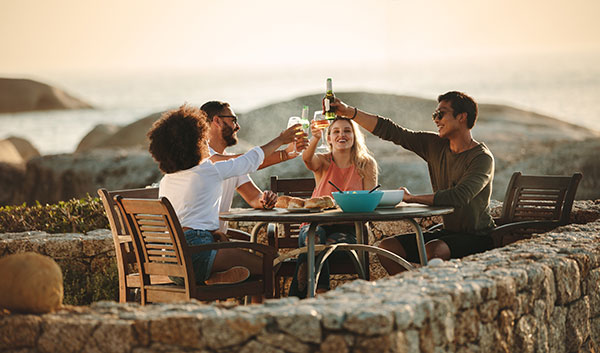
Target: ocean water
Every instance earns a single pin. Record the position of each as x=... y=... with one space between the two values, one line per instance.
x=566 y=87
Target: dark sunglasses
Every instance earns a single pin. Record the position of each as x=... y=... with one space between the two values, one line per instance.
x=235 y=119
x=438 y=115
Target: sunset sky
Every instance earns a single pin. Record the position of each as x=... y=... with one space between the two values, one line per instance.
x=121 y=35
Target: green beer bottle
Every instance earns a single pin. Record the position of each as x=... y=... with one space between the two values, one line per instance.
x=329 y=97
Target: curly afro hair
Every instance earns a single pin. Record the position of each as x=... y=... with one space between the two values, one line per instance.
x=178 y=139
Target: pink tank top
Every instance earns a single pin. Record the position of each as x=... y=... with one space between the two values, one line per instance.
x=346 y=179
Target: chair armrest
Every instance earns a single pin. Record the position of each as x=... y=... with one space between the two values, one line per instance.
x=238 y=234
x=265 y=249
x=272 y=235
x=435 y=227
x=498 y=232
x=509 y=227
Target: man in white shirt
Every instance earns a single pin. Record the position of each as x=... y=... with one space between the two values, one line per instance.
x=223 y=128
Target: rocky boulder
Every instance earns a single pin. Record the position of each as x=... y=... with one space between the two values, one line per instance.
x=25 y=148
x=11 y=183
x=129 y=136
x=52 y=178
x=19 y=95
x=9 y=153
x=96 y=136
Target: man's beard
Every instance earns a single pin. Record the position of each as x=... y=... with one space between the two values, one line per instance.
x=228 y=135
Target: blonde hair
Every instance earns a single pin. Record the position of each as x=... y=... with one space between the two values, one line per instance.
x=360 y=154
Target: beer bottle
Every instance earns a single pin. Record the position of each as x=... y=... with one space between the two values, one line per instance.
x=329 y=97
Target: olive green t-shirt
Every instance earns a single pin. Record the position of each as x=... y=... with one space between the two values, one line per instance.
x=460 y=180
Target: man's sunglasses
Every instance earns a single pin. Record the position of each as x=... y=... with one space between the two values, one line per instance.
x=235 y=119
x=438 y=115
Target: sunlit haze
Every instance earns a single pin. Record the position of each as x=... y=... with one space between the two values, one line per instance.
x=81 y=35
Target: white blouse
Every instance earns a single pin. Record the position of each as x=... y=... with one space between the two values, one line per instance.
x=196 y=193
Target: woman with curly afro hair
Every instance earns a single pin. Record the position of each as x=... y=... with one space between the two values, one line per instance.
x=193 y=185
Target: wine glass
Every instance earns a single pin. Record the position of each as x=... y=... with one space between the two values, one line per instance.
x=293 y=120
x=321 y=122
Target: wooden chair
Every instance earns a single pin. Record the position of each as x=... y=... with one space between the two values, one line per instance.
x=339 y=263
x=534 y=204
x=128 y=273
x=161 y=249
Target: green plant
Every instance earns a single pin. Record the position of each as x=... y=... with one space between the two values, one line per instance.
x=72 y=216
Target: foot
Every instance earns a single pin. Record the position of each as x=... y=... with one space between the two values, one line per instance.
x=236 y=274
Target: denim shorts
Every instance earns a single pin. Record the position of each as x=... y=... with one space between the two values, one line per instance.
x=202 y=262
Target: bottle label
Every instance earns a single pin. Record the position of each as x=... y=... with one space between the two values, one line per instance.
x=327 y=107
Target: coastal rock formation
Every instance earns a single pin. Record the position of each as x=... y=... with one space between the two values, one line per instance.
x=19 y=95
x=11 y=183
x=129 y=136
x=9 y=153
x=49 y=179
x=96 y=136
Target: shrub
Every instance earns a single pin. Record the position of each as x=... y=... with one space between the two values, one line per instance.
x=72 y=216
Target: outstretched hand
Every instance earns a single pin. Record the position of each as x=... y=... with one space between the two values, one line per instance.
x=315 y=131
x=290 y=134
x=340 y=108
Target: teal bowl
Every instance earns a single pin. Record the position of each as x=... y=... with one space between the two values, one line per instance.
x=358 y=201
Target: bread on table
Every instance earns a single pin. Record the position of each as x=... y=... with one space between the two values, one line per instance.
x=319 y=202
x=296 y=202
x=328 y=201
x=282 y=201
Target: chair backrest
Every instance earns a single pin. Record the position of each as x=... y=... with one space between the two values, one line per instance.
x=115 y=219
x=298 y=187
x=124 y=252
x=545 y=198
x=158 y=240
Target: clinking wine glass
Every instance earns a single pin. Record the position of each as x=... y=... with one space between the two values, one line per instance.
x=321 y=122
x=293 y=120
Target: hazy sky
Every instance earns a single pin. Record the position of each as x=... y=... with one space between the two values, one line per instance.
x=37 y=36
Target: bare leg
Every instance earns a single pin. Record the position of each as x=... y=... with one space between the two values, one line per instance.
x=391 y=244
x=437 y=248
x=227 y=258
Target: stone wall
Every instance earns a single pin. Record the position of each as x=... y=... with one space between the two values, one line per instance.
x=536 y=295
x=87 y=261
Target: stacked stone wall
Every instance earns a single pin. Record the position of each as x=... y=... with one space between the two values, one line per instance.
x=536 y=295
x=87 y=261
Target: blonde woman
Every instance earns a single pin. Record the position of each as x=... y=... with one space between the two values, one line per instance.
x=350 y=166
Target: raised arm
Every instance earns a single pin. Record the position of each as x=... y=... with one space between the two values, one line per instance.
x=287 y=136
x=277 y=156
x=367 y=120
x=312 y=162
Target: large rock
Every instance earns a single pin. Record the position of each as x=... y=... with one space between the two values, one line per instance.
x=19 y=95
x=9 y=153
x=513 y=135
x=11 y=183
x=96 y=136
x=25 y=148
x=129 y=136
x=53 y=178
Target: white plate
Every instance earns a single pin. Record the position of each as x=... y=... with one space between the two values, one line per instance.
x=303 y=210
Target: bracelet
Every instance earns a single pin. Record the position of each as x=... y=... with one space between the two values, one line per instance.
x=354 y=115
x=281 y=155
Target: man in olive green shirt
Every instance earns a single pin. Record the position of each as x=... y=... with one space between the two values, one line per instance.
x=461 y=171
